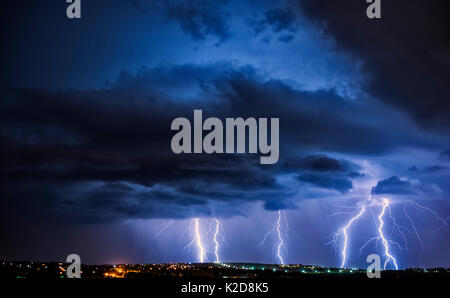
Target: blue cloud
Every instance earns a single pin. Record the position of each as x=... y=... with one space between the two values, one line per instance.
x=393 y=185
x=339 y=183
x=445 y=154
x=401 y=186
x=286 y=38
x=281 y=19
x=199 y=19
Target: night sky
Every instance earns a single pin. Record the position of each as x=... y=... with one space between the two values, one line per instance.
x=86 y=107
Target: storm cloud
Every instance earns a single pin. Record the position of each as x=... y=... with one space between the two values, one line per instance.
x=403 y=186
x=121 y=134
x=415 y=50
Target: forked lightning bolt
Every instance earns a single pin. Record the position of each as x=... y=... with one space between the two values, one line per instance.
x=198 y=240
x=389 y=257
x=216 y=242
x=444 y=222
x=344 y=229
x=413 y=225
x=276 y=230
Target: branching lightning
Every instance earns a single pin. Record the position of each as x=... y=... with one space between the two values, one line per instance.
x=276 y=230
x=165 y=227
x=380 y=221
x=216 y=243
x=413 y=226
x=389 y=257
x=198 y=241
x=344 y=229
x=444 y=222
x=209 y=243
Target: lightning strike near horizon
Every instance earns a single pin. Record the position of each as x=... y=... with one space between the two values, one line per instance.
x=200 y=238
x=389 y=257
x=216 y=242
x=276 y=229
x=380 y=221
x=280 y=239
x=366 y=205
x=198 y=241
x=344 y=229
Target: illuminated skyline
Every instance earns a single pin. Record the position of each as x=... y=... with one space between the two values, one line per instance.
x=85 y=142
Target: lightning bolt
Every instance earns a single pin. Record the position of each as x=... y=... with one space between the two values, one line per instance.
x=413 y=226
x=399 y=229
x=444 y=222
x=200 y=235
x=384 y=240
x=343 y=231
x=198 y=241
x=216 y=243
x=266 y=236
x=165 y=227
x=280 y=239
x=280 y=242
x=380 y=223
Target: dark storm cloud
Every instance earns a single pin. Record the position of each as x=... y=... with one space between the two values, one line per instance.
x=278 y=205
x=286 y=38
x=445 y=154
x=434 y=169
x=145 y=5
x=321 y=180
x=404 y=53
x=320 y=163
x=282 y=21
x=62 y=162
x=402 y=186
x=68 y=201
x=199 y=19
x=429 y=169
x=133 y=112
x=393 y=185
x=325 y=172
x=105 y=154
